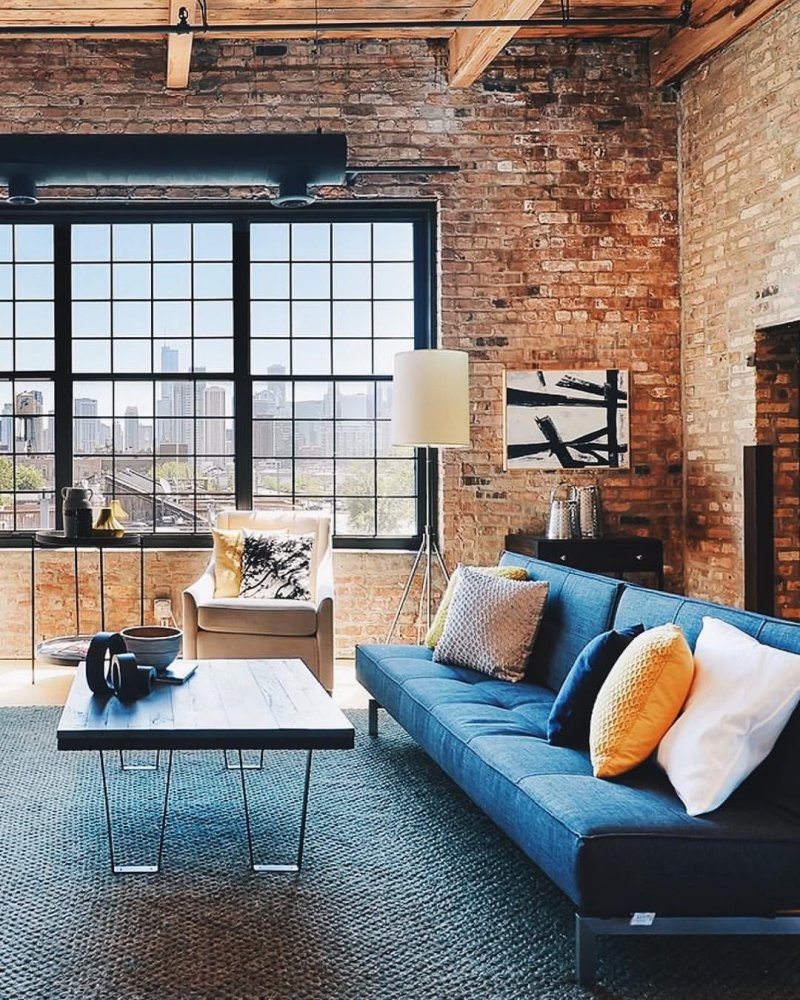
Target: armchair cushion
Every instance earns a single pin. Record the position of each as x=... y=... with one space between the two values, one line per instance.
x=247 y=615
x=227 y=562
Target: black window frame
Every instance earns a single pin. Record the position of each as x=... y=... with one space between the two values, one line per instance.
x=423 y=215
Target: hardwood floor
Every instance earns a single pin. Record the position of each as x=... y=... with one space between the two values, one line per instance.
x=53 y=683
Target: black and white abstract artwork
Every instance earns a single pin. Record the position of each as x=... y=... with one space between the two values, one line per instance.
x=567 y=419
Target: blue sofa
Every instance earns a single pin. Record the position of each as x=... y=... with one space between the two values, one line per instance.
x=625 y=851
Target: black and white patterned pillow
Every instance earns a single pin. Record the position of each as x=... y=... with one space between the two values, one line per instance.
x=276 y=566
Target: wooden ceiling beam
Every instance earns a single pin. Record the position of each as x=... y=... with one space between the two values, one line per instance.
x=471 y=50
x=712 y=25
x=179 y=47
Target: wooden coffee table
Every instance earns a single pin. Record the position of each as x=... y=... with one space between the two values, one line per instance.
x=229 y=705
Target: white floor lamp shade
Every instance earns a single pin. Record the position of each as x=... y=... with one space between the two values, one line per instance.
x=430 y=399
x=430 y=409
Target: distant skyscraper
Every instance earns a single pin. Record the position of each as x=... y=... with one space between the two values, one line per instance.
x=384 y=391
x=176 y=404
x=145 y=437
x=131 y=430
x=169 y=359
x=211 y=432
x=7 y=428
x=49 y=440
x=279 y=388
x=355 y=406
x=87 y=429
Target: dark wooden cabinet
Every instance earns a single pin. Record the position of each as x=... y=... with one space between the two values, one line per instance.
x=595 y=555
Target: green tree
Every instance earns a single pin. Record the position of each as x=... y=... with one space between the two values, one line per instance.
x=175 y=469
x=392 y=511
x=6 y=475
x=29 y=479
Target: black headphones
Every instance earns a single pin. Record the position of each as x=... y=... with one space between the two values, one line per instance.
x=124 y=678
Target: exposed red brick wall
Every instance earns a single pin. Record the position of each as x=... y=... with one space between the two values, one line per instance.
x=558 y=242
x=740 y=249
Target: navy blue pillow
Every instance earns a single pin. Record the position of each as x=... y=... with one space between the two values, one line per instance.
x=568 y=724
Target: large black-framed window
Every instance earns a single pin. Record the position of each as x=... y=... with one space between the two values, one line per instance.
x=185 y=358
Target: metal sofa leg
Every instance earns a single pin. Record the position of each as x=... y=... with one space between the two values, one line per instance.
x=585 y=952
x=373 y=717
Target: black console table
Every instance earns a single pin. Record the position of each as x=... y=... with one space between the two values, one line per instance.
x=626 y=554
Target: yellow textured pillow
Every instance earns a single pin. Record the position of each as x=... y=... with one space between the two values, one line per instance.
x=228 y=546
x=437 y=625
x=639 y=700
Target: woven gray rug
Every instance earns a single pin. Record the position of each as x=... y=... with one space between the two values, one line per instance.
x=408 y=891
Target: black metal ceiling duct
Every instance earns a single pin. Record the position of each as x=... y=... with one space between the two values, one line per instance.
x=292 y=162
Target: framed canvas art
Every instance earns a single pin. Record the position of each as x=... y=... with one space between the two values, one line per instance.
x=567 y=419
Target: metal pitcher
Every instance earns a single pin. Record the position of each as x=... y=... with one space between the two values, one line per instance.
x=589 y=511
x=563 y=520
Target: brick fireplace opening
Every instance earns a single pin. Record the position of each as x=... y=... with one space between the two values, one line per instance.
x=777 y=364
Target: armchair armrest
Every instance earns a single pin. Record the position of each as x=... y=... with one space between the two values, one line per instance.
x=199 y=592
x=324 y=580
x=202 y=589
x=324 y=600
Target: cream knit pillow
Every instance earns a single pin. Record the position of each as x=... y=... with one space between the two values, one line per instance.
x=491 y=624
x=437 y=626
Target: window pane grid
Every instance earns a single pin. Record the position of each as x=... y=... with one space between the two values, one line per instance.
x=142 y=306
x=352 y=322
x=27 y=312
x=169 y=458
x=152 y=383
x=335 y=459
x=27 y=344
x=27 y=455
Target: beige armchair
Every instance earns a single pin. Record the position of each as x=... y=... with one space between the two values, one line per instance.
x=241 y=628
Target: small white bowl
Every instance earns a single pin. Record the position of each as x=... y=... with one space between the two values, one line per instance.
x=153 y=645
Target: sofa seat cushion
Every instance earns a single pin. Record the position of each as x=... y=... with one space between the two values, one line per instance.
x=629 y=845
x=386 y=669
x=409 y=684
x=246 y=615
x=468 y=719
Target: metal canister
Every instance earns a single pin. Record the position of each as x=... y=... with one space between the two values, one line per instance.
x=563 y=520
x=589 y=512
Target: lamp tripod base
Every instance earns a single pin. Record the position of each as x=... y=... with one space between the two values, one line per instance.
x=427 y=555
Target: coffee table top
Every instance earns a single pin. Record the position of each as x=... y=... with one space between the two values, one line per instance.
x=225 y=705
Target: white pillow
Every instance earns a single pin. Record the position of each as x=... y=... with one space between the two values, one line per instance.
x=741 y=698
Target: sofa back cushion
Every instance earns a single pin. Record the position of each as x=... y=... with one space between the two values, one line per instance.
x=652 y=608
x=776 y=781
x=579 y=607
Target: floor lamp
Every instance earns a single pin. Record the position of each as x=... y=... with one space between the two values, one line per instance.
x=430 y=409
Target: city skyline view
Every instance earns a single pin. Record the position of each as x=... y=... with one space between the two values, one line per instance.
x=155 y=303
